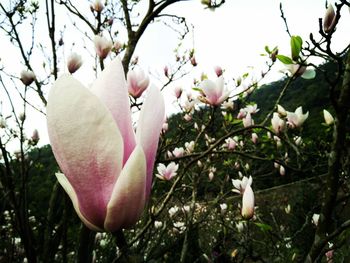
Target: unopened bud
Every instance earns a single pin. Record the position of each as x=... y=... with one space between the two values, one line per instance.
x=27 y=77
x=22 y=116
x=329 y=19
x=97 y=6
x=274 y=54
x=74 y=62
x=35 y=137
x=178 y=92
x=218 y=71
x=117 y=46
x=193 y=61
x=166 y=71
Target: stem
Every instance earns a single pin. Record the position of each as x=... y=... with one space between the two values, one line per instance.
x=86 y=245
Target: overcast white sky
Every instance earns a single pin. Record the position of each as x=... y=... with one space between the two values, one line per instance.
x=232 y=36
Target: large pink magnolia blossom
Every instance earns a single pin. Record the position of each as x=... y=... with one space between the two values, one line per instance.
x=107 y=168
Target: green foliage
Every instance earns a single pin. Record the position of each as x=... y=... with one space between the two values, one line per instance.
x=296 y=43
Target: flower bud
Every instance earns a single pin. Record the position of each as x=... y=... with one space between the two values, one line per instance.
x=2 y=122
x=282 y=170
x=315 y=218
x=74 y=62
x=178 y=92
x=22 y=116
x=166 y=71
x=102 y=46
x=27 y=77
x=193 y=61
x=117 y=46
x=35 y=137
x=218 y=71
x=247 y=211
x=274 y=54
x=254 y=138
x=328 y=118
x=223 y=208
x=97 y=6
x=158 y=224
x=329 y=19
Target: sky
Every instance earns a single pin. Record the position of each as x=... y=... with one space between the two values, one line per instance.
x=232 y=37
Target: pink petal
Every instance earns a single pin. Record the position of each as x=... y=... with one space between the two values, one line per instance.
x=62 y=179
x=128 y=197
x=86 y=143
x=111 y=88
x=148 y=129
x=209 y=89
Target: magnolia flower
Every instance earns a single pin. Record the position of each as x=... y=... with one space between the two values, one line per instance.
x=173 y=210
x=248 y=121
x=281 y=111
x=282 y=170
x=97 y=6
x=223 y=208
x=102 y=46
x=228 y=105
x=211 y=174
x=247 y=211
x=218 y=71
x=213 y=92
x=166 y=71
x=179 y=226
x=287 y=209
x=251 y=108
x=297 y=118
x=137 y=82
x=167 y=172
x=27 y=77
x=278 y=124
x=189 y=146
x=329 y=19
x=254 y=138
x=298 y=140
x=230 y=143
x=278 y=141
x=315 y=218
x=22 y=116
x=241 y=185
x=186 y=208
x=35 y=137
x=188 y=117
x=107 y=169
x=178 y=92
x=2 y=122
x=178 y=151
x=158 y=224
x=240 y=226
x=328 y=118
x=165 y=127
x=74 y=62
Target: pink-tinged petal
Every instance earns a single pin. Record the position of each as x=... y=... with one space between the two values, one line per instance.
x=128 y=197
x=149 y=127
x=86 y=143
x=62 y=179
x=111 y=88
x=209 y=89
x=248 y=203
